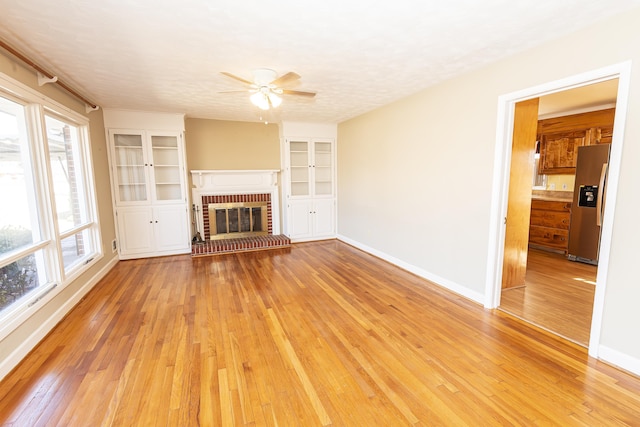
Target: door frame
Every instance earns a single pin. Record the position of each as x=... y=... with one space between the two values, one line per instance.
x=500 y=186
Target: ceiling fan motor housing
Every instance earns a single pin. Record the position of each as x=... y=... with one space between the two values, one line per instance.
x=264 y=76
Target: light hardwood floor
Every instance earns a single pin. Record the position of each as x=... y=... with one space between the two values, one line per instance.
x=558 y=295
x=321 y=334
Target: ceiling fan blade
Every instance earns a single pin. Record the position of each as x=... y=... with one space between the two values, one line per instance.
x=285 y=79
x=235 y=91
x=298 y=92
x=236 y=78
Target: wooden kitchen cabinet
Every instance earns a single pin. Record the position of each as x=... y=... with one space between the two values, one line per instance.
x=559 y=151
x=549 y=225
x=560 y=138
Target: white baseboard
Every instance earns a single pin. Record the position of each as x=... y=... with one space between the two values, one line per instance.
x=30 y=342
x=437 y=280
x=618 y=359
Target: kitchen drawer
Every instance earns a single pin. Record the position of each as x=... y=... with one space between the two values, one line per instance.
x=548 y=218
x=550 y=205
x=549 y=237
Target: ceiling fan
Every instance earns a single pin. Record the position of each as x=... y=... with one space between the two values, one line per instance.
x=267 y=88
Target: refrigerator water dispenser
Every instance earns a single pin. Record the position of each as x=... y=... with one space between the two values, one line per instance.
x=588 y=196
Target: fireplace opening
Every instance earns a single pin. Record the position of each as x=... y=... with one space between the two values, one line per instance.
x=235 y=220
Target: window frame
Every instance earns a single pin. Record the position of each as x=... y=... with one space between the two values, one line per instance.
x=37 y=106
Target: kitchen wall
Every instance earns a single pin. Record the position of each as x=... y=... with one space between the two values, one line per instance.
x=15 y=345
x=421 y=171
x=560 y=182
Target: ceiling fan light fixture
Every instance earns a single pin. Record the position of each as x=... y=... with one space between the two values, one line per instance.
x=274 y=100
x=264 y=99
x=260 y=100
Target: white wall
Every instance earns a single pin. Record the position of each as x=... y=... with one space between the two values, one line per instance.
x=415 y=177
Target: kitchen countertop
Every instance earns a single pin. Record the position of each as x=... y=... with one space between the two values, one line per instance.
x=552 y=196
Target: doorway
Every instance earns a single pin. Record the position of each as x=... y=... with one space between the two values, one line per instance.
x=501 y=183
x=554 y=293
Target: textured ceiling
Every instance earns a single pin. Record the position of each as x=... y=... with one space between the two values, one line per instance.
x=167 y=55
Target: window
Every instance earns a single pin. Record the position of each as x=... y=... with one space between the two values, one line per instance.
x=69 y=189
x=48 y=227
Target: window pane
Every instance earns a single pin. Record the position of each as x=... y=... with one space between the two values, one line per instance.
x=18 y=279
x=66 y=170
x=19 y=225
x=74 y=248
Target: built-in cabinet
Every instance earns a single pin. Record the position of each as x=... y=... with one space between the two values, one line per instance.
x=148 y=176
x=560 y=138
x=152 y=231
x=310 y=188
x=549 y=226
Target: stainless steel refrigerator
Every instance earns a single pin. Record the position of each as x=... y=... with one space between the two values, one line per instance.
x=588 y=203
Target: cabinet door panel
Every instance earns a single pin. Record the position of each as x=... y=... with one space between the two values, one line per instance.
x=135 y=230
x=322 y=168
x=559 y=152
x=299 y=168
x=130 y=166
x=324 y=218
x=166 y=167
x=171 y=227
x=300 y=219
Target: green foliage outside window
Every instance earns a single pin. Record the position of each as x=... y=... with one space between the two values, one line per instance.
x=19 y=277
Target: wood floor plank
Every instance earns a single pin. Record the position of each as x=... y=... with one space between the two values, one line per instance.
x=557 y=296
x=319 y=334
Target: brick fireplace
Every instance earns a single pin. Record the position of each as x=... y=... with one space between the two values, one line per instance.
x=233 y=201
x=231 y=193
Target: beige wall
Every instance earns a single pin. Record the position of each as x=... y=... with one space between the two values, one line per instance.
x=28 y=77
x=415 y=177
x=226 y=145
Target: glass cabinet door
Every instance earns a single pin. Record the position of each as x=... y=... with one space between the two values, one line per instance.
x=323 y=168
x=300 y=168
x=130 y=167
x=166 y=167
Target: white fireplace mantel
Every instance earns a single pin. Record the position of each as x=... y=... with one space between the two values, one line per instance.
x=224 y=182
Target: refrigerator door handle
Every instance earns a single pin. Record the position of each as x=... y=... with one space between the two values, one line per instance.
x=599 y=204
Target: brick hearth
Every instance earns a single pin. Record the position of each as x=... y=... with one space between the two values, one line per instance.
x=216 y=247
